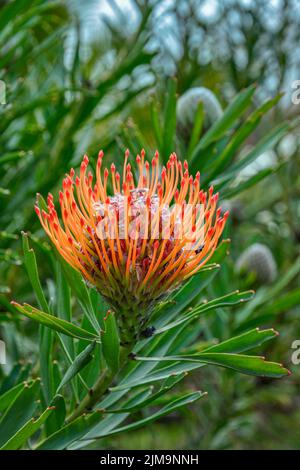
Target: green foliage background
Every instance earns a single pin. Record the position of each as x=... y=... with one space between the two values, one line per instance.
x=76 y=83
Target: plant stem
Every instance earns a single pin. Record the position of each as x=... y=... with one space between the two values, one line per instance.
x=99 y=388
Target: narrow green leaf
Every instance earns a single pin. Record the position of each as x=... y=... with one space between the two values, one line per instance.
x=266 y=143
x=251 y=365
x=157 y=375
x=110 y=342
x=134 y=403
x=57 y=418
x=70 y=433
x=12 y=379
x=244 y=342
x=173 y=405
x=29 y=428
x=224 y=301
x=80 y=290
x=248 y=183
x=31 y=267
x=241 y=135
x=63 y=306
x=79 y=363
x=231 y=114
x=156 y=125
x=55 y=323
x=46 y=365
x=184 y=296
x=197 y=128
x=7 y=398
x=283 y=303
x=146 y=397
x=19 y=412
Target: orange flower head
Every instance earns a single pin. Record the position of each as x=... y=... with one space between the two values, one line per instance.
x=136 y=243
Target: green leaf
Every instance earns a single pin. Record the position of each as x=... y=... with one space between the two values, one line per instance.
x=135 y=402
x=31 y=267
x=7 y=398
x=80 y=290
x=156 y=124
x=63 y=305
x=19 y=412
x=224 y=301
x=29 y=428
x=12 y=156
x=251 y=365
x=241 y=135
x=197 y=128
x=110 y=342
x=79 y=363
x=163 y=373
x=266 y=143
x=184 y=296
x=108 y=425
x=284 y=303
x=57 y=418
x=244 y=342
x=173 y=405
x=19 y=373
x=46 y=366
x=264 y=295
x=231 y=114
x=55 y=323
x=145 y=397
x=70 y=433
x=248 y=183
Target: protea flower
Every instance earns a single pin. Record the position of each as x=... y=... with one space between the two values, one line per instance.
x=135 y=244
x=187 y=107
x=259 y=260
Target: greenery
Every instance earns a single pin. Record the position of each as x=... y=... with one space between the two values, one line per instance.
x=69 y=93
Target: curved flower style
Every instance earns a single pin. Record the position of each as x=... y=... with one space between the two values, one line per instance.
x=133 y=246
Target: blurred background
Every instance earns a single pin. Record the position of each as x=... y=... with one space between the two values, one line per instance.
x=77 y=76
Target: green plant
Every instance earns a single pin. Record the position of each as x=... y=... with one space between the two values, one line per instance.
x=63 y=103
x=121 y=380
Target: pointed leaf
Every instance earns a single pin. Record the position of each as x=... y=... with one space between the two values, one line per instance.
x=251 y=365
x=19 y=412
x=110 y=342
x=55 y=323
x=79 y=363
x=29 y=428
x=172 y=406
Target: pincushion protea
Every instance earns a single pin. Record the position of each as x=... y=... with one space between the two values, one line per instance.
x=133 y=246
